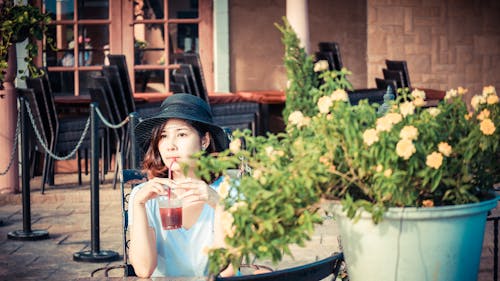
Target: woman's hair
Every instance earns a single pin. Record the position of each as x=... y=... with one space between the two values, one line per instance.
x=153 y=164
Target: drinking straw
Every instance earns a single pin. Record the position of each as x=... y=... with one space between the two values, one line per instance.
x=170 y=174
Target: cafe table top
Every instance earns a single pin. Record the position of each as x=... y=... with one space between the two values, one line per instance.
x=142 y=279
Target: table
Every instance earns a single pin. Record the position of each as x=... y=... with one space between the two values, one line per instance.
x=142 y=279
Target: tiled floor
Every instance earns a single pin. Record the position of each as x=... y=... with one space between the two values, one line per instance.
x=64 y=211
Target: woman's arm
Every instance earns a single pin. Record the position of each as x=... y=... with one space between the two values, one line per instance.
x=142 y=253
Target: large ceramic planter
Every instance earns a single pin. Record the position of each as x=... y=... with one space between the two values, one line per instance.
x=441 y=243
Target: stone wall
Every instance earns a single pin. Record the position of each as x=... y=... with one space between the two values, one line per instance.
x=446 y=43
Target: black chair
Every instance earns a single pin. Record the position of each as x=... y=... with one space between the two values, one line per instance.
x=128 y=94
x=328 y=56
x=236 y=115
x=373 y=95
x=102 y=94
x=35 y=148
x=334 y=49
x=193 y=59
x=177 y=88
x=129 y=179
x=62 y=135
x=112 y=73
x=400 y=65
x=315 y=271
x=187 y=75
x=382 y=84
x=184 y=80
x=395 y=75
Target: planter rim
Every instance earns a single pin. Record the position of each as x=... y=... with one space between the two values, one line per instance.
x=434 y=212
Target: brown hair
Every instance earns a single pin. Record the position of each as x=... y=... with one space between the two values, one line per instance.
x=152 y=164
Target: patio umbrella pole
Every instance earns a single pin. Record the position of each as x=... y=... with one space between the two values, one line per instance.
x=26 y=233
x=95 y=254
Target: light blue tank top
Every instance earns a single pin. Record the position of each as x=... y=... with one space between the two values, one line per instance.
x=180 y=252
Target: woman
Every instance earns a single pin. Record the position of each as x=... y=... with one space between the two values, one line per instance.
x=182 y=127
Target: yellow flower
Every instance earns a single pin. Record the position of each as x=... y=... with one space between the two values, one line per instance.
x=379 y=168
x=492 y=99
x=237 y=205
x=434 y=160
x=227 y=224
x=370 y=136
x=450 y=94
x=487 y=127
x=325 y=160
x=405 y=149
x=332 y=169
x=269 y=150
x=488 y=90
x=324 y=104
x=339 y=95
x=394 y=118
x=434 y=111
x=388 y=173
x=468 y=116
x=296 y=117
x=406 y=108
x=224 y=188
x=462 y=91
x=476 y=101
x=483 y=114
x=235 y=146
x=321 y=65
x=383 y=124
x=257 y=174
x=305 y=121
x=428 y=203
x=419 y=102
x=445 y=148
x=418 y=94
x=409 y=133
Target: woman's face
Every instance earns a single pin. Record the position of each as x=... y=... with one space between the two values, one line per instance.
x=180 y=140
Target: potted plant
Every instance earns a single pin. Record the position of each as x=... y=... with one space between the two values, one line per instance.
x=408 y=161
x=17 y=22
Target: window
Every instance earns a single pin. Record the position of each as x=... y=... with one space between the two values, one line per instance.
x=148 y=32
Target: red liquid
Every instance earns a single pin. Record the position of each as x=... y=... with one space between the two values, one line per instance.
x=171 y=218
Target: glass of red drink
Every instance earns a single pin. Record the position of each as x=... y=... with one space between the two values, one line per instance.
x=170 y=212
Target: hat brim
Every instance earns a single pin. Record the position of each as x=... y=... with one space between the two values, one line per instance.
x=144 y=130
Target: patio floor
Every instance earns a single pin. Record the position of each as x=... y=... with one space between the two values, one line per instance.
x=64 y=211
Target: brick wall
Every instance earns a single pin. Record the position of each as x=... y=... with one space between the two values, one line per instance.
x=447 y=43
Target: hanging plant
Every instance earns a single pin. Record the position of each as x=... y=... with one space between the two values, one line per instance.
x=18 y=23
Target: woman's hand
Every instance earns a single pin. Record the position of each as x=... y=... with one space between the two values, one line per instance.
x=152 y=189
x=194 y=191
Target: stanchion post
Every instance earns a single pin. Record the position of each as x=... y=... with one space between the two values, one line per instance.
x=27 y=233
x=133 y=143
x=95 y=254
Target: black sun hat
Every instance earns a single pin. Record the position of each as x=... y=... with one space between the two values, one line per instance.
x=186 y=107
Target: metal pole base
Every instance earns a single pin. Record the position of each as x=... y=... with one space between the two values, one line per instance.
x=102 y=256
x=30 y=236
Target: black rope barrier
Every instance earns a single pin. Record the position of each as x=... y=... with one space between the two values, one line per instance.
x=26 y=233
x=95 y=254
